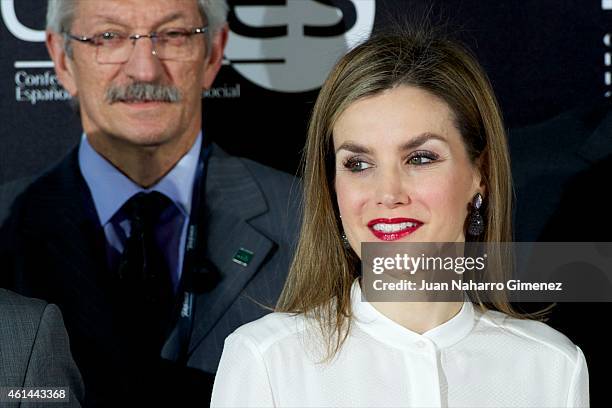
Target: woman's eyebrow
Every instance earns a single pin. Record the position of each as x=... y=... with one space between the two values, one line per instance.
x=409 y=145
x=353 y=147
x=421 y=139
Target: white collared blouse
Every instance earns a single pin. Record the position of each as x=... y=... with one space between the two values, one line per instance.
x=474 y=360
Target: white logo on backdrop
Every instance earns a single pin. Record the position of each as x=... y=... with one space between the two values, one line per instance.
x=607 y=5
x=291 y=47
x=7 y=7
x=287 y=47
x=31 y=87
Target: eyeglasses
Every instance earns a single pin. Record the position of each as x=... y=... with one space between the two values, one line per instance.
x=114 y=47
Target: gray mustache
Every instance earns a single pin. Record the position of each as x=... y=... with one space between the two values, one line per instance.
x=142 y=91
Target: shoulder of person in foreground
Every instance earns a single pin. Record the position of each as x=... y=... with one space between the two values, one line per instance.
x=34 y=347
x=242 y=378
x=543 y=348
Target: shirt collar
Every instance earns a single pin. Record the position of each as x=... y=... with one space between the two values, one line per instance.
x=110 y=188
x=368 y=318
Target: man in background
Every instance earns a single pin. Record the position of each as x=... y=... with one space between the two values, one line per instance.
x=154 y=243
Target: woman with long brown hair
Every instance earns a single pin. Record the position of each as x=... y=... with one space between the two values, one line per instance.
x=406 y=144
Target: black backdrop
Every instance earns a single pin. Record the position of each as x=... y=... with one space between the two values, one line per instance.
x=543 y=56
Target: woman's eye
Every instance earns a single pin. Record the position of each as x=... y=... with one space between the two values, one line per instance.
x=356 y=165
x=419 y=159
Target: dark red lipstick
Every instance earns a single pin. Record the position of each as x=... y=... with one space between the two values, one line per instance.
x=391 y=229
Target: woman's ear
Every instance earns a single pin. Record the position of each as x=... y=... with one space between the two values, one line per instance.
x=479 y=184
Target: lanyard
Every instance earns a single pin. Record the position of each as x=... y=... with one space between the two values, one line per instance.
x=198 y=275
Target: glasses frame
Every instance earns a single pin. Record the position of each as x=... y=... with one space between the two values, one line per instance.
x=154 y=36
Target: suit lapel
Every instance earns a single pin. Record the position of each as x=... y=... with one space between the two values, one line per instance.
x=233 y=198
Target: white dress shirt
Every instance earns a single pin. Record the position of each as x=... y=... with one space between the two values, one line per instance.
x=473 y=360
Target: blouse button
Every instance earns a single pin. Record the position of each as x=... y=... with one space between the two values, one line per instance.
x=420 y=344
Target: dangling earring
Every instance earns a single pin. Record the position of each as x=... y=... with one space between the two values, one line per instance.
x=475 y=221
x=345 y=242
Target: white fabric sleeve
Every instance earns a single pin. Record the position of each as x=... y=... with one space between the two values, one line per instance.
x=578 y=395
x=242 y=377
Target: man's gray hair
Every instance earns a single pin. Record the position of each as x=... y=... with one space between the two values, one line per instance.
x=60 y=14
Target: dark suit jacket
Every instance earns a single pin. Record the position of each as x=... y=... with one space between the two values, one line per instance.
x=54 y=248
x=8 y=192
x=34 y=350
x=562 y=170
